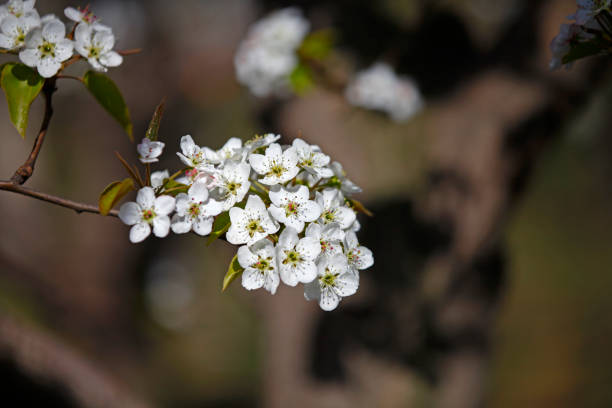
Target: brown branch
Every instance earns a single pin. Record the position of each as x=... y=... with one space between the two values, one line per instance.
x=24 y=172
x=130 y=52
x=62 y=202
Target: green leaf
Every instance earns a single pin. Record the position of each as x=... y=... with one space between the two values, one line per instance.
x=113 y=193
x=153 y=129
x=317 y=45
x=585 y=49
x=21 y=85
x=301 y=79
x=220 y=226
x=109 y=97
x=233 y=272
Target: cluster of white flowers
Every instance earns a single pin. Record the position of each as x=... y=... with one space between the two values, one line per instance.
x=582 y=29
x=42 y=42
x=288 y=210
x=267 y=56
x=380 y=88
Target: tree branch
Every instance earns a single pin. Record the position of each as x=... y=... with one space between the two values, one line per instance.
x=62 y=202
x=24 y=172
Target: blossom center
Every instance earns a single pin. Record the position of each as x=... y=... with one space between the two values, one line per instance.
x=194 y=210
x=148 y=215
x=263 y=264
x=254 y=226
x=292 y=257
x=329 y=279
x=291 y=209
x=94 y=52
x=276 y=170
x=233 y=187
x=20 y=39
x=47 y=49
x=329 y=216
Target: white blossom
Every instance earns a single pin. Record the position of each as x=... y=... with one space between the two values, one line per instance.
x=260 y=266
x=358 y=257
x=346 y=185
x=149 y=150
x=588 y=9
x=195 y=211
x=334 y=211
x=296 y=257
x=19 y=9
x=250 y=224
x=47 y=47
x=292 y=207
x=267 y=56
x=194 y=175
x=260 y=141
x=334 y=282
x=84 y=17
x=96 y=45
x=311 y=159
x=158 y=177
x=231 y=184
x=147 y=211
x=194 y=156
x=379 y=88
x=14 y=30
x=276 y=166
x=329 y=237
x=230 y=150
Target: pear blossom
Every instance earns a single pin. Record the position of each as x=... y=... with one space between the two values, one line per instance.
x=231 y=149
x=250 y=224
x=96 y=45
x=346 y=185
x=231 y=184
x=194 y=156
x=588 y=9
x=84 y=17
x=194 y=175
x=194 y=211
x=329 y=237
x=19 y=9
x=379 y=88
x=358 y=257
x=296 y=257
x=267 y=56
x=260 y=141
x=292 y=207
x=14 y=30
x=311 y=159
x=47 y=47
x=147 y=211
x=334 y=211
x=260 y=266
x=149 y=150
x=158 y=177
x=276 y=166
x=334 y=282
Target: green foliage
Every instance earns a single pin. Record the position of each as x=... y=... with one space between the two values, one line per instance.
x=109 y=97
x=585 y=49
x=317 y=45
x=21 y=86
x=153 y=129
x=233 y=272
x=220 y=226
x=113 y=193
x=301 y=79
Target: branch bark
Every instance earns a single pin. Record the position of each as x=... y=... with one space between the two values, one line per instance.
x=24 y=172
x=62 y=202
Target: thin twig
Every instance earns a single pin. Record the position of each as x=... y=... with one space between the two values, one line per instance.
x=62 y=202
x=60 y=76
x=24 y=172
x=130 y=52
x=129 y=169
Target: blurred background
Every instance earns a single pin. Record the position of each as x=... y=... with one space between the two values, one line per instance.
x=492 y=231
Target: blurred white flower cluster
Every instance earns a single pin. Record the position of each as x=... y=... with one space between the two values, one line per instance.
x=380 y=88
x=585 y=27
x=42 y=43
x=267 y=56
x=286 y=207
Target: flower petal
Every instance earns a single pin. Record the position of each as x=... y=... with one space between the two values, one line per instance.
x=245 y=257
x=309 y=211
x=145 y=198
x=180 y=225
x=111 y=59
x=29 y=57
x=48 y=67
x=129 y=213
x=203 y=226
x=164 y=204
x=54 y=31
x=312 y=290
x=347 y=284
x=288 y=238
x=140 y=232
x=309 y=248
x=161 y=226
x=259 y=163
x=252 y=279
x=329 y=299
